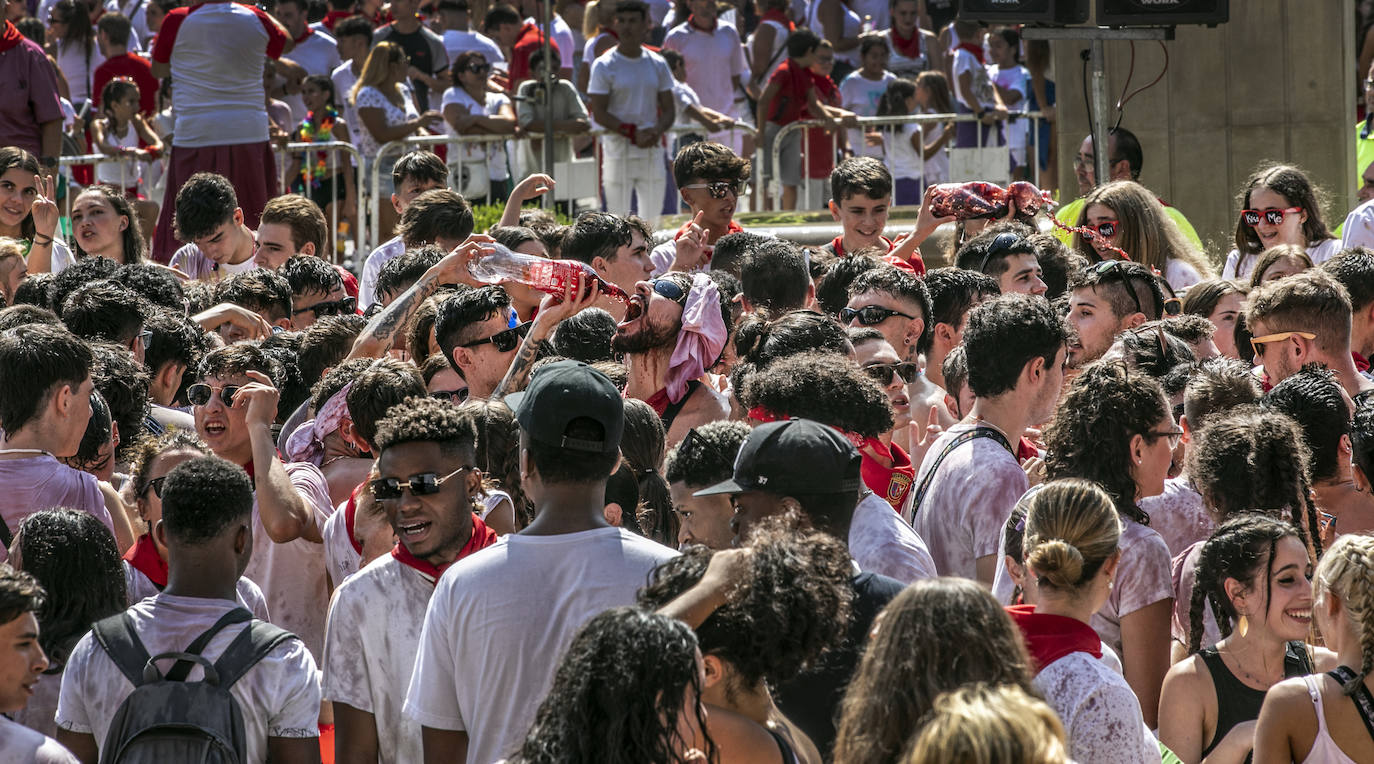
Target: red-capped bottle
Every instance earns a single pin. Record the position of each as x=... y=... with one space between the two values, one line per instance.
x=500 y=265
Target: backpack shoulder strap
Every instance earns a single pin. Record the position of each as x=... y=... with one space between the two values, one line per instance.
x=117 y=637
x=958 y=440
x=181 y=669
x=250 y=646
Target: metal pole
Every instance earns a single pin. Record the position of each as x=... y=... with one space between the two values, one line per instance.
x=551 y=69
x=1098 y=78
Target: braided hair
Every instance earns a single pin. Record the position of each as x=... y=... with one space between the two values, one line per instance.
x=1346 y=571
x=1236 y=550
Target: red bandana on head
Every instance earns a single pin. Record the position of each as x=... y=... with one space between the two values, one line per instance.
x=144 y=558
x=481 y=538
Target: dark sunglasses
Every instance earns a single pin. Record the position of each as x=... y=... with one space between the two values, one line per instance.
x=452 y=396
x=1001 y=245
x=1272 y=215
x=719 y=189
x=870 y=315
x=1106 y=229
x=344 y=307
x=155 y=484
x=669 y=289
x=505 y=340
x=882 y=373
x=479 y=68
x=147 y=336
x=423 y=484
x=199 y=394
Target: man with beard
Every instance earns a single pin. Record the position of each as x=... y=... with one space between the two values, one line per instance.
x=1106 y=299
x=674 y=329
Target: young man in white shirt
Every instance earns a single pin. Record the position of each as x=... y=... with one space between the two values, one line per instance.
x=208 y=216
x=315 y=51
x=353 y=39
x=22 y=664
x=710 y=177
x=459 y=37
x=971 y=478
x=476 y=704
x=207 y=527
x=413 y=174
x=234 y=402
x=426 y=485
x=715 y=61
x=631 y=91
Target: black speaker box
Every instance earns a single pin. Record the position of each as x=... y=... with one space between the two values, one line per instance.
x=1025 y=11
x=1127 y=13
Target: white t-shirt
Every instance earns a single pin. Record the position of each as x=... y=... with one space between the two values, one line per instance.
x=136 y=11
x=909 y=66
x=341 y=560
x=713 y=61
x=21 y=745
x=318 y=53
x=1180 y=275
x=684 y=96
x=370 y=647
x=191 y=261
x=372 y=267
x=216 y=51
x=344 y=79
x=937 y=167
x=861 y=95
x=1358 y=229
x=903 y=159
x=456 y=43
x=968 y=501
x=78 y=65
x=279 y=696
x=851 y=25
x=1100 y=712
x=1015 y=78
x=480 y=666
x=632 y=83
x=981 y=83
x=140 y=587
x=1240 y=268
x=494 y=154
x=881 y=542
x=292 y=574
x=1178 y=515
x=1143 y=578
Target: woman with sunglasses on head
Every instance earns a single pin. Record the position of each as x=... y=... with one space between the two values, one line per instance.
x=1115 y=428
x=1279 y=261
x=1221 y=302
x=471 y=108
x=1125 y=216
x=145 y=564
x=1256 y=576
x=1279 y=205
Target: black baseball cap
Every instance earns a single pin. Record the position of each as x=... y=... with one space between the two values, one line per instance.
x=796 y=456
x=561 y=392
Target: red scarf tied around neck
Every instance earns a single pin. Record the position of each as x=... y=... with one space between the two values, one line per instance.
x=780 y=17
x=908 y=47
x=482 y=537
x=974 y=48
x=10 y=37
x=144 y=558
x=1051 y=637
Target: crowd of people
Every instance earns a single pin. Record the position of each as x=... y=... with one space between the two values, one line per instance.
x=582 y=492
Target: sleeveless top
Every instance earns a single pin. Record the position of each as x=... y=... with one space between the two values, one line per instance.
x=670 y=413
x=1324 y=749
x=1238 y=703
x=850 y=27
x=789 y=756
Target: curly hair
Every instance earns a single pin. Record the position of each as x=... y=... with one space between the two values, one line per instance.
x=964 y=636
x=1314 y=399
x=618 y=693
x=421 y=326
x=1361 y=436
x=1090 y=437
x=19 y=592
x=401 y=272
x=104 y=310
x=123 y=382
x=789 y=611
x=707 y=161
x=498 y=453
x=151 y=448
x=824 y=387
x=1236 y=550
x=1006 y=333
x=759 y=341
x=421 y=419
x=75 y=559
x=335 y=380
x=1249 y=459
x=1346 y=570
x=259 y=290
x=954 y=292
x=706 y=456
x=642 y=446
x=1215 y=386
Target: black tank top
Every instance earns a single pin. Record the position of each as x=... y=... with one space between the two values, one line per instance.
x=789 y=756
x=1238 y=703
x=670 y=413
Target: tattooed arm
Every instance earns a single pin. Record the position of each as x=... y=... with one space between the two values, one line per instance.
x=552 y=310
x=380 y=333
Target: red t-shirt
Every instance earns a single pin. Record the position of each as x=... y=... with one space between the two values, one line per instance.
x=820 y=145
x=794 y=83
x=530 y=40
x=136 y=68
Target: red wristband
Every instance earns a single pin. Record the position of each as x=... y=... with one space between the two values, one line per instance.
x=628 y=130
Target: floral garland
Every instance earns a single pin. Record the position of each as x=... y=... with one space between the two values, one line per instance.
x=312 y=132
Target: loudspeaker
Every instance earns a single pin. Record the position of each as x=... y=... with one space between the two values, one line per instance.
x=1025 y=11
x=1125 y=13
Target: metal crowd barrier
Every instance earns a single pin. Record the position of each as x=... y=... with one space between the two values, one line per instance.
x=336 y=246
x=775 y=183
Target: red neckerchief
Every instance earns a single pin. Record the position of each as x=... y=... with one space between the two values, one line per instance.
x=249 y=468
x=911 y=48
x=1051 y=637
x=10 y=37
x=659 y=401
x=612 y=33
x=481 y=538
x=916 y=266
x=307 y=33
x=144 y=558
x=333 y=17
x=351 y=512
x=892 y=483
x=1361 y=363
x=1025 y=449
x=780 y=17
x=692 y=23
x=974 y=48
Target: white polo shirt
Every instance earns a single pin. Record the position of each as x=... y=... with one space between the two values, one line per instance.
x=713 y=59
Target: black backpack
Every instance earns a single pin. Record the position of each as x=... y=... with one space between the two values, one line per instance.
x=167 y=718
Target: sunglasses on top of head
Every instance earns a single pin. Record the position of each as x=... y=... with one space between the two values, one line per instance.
x=1271 y=215
x=1000 y=245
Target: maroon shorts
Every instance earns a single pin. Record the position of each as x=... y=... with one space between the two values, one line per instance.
x=250 y=167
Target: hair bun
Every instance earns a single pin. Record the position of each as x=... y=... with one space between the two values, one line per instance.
x=1057 y=563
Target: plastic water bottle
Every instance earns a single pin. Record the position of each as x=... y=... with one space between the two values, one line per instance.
x=501 y=265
